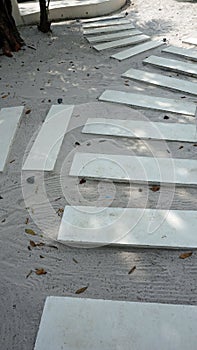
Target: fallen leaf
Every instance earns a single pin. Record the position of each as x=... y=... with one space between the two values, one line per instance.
x=81 y=290
x=12 y=161
x=185 y=255
x=195 y=144
x=155 y=188
x=40 y=272
x=32 y=243
x=126 y=84
x=82 y=181
x=30 y=272
x=60 y=212
x=27 y=221
x=41 y=257
x=132 y=270
x=76 y=262
x=30 y=232
x=28 y=111
x=4 y=96
x=166 y=117
x=180 y=147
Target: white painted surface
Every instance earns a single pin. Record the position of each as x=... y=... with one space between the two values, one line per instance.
x=131 y=168
x=103 y=18
x=108 y=29
x=122 y=55
x=46 y=147
x=137 y=227
x=122 y=42
x=94 y=324
x=191 y=40
x=174 y=65
x=9 y=121
x=109 y=37
x=180 y=51
x=162 y=80
x=69 y=9
x=141 y=129
x=16 y=13
x=152 y=102
x=106 y=23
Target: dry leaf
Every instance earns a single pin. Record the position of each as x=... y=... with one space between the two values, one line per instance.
x=60 y=212
x=30 y=232
x=12 y=161
x=40 y=272
x=180 y=147
x=76 y=262
x=28 y=111
x=4 y=96
x=27 y=221
x=81 y=290
x=32 y=243
x=185 y=255
x=30 y=272
x=41 y=257
x=155 y=188
x=132 y=270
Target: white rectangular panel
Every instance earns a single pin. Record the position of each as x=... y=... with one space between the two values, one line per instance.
x=180 y=51
x=122 y=42
x=138 y=169
x=103 y=18
x=122 y=55
x=9 y=121
x=173 y=65
x=161 y=80
x=109 y=29
x=46 y=147
x=146 y=101
x=94 y=324
x=114 y=22
x=141 y=129
x=109 y=37
x=136 y=227
x=191 y=40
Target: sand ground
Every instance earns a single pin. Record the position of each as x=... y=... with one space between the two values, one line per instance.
x=64 y=66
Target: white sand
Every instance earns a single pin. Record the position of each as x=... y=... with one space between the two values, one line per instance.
x=64 y=66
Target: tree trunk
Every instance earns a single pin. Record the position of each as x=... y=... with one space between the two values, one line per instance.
x=45 y=24
x=10 y=39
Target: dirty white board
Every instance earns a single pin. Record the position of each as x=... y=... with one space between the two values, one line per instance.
x=161 y=81
x=136 y=227
x=133 y=168
x=173 y=65
x=94 y=324
x=9 y=121
x=122 y=55
x=109 y=37
x=190 y=54
x=45 y=149
x=103 y=18
x=141 y=129
x=106 y=23
x=110 y=29
x=191 y=40
x=146 y=101
x=122 y=42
